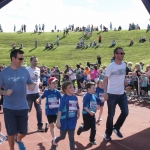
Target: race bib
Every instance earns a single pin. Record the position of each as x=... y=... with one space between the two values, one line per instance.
x=72 y=108
x=101 y=96
x=53 y=102
x=93 y=105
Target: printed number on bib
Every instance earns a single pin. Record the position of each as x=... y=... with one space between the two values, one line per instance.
x=72 y=108
x=101 y=96
x=93 y=105
x=53 y=102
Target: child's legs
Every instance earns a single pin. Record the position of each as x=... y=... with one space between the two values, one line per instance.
x=71 y=139
x=52 y=120
x=101 y=111
x=86 y=122
x=93 y=129
x=62 y=136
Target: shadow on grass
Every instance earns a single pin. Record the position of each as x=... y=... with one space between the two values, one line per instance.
x=96 y=47
x=99 y=32
x=62 y=37
x=19 y=32
x=32 y=50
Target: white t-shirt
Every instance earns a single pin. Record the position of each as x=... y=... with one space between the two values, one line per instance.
x=35 y=77
x=116 y=76
x=73 y=76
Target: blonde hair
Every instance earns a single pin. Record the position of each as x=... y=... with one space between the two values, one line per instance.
x=129 y=63
x=137 y=66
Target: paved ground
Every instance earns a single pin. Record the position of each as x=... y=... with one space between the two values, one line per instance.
x=136 y=131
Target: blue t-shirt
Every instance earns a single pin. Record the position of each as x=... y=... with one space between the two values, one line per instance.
x=52 y=101
x=100 y=94
x=45 y=79
x=15 y=80
x=69 y=107
x=90 y=101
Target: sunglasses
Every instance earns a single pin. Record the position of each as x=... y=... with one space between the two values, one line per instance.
x=121 y=53
x=21 y=59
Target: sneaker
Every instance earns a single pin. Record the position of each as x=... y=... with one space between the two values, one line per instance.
x=40 y=129
x=46 y=127
x=93 y=142
x=53 y=147
x=107 y=137
x=21 y=145
x=79 y=130
x=118 y=133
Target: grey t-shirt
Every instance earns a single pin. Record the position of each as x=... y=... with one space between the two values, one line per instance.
x=15 y=80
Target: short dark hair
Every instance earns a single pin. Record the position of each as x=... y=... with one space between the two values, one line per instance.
x=65 y=85
x=32 y=57
x=15 y=52
x=89 y=84
x=78 y=66
x=116 y=50
x=95 y=67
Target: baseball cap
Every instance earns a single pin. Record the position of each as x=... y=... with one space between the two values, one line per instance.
x=52 y=79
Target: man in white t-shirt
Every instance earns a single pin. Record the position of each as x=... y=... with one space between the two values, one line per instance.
x=114 y=94
x=34 y=72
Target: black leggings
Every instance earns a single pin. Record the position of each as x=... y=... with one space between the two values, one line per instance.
x=71 y=137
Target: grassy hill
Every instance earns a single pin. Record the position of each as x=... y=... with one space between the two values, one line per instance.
x=66 y=52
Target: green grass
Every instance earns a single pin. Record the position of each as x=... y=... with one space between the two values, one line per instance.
x=66 y=52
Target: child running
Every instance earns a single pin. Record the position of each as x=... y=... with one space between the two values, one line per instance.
x=100 y=94
x=52 y=96
x=90 y=105
x=68 y=113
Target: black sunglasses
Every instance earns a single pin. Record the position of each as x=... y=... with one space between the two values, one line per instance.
x=121 y=53
x=21 y=59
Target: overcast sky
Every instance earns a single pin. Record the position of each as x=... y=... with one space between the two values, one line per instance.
x=77 y=12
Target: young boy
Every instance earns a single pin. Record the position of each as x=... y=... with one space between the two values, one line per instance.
x=90 y=105
x=100 y=94
x=52 y=96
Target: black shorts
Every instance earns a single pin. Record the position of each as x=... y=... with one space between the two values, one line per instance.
x=51 y=118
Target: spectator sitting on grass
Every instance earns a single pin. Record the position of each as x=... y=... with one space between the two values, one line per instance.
x=113 y=43
x=13 y=45
x=142 y=39
x=94 y=44
x=137 y=27
x=105 y=29
x=78 y=45
x=131 y=42
x=119 y=28
x=85 y=46
x=115 y=29
x=21 y=46
x=91 y=44
x=47 y=46
x=51 y=46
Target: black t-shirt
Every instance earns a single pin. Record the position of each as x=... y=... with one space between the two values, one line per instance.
x=99 y=60
x=128 y=70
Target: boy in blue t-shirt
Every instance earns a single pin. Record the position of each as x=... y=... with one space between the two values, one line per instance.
x=52 y=96
x=90 y=105
x=67 y=115
x=100 y=94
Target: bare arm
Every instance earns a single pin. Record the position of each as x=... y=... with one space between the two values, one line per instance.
x=90 y=112
x=7 y=92
x=58 y=119
x=105 y=82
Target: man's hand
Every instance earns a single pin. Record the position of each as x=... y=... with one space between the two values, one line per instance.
x=105 y=96
x=8 y=92
x=31 y=86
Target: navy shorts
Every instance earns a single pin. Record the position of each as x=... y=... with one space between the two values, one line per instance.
x=51 y=118
x=16 y=121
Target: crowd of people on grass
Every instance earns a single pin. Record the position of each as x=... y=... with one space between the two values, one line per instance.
x=89 y=29
x=30 y=84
